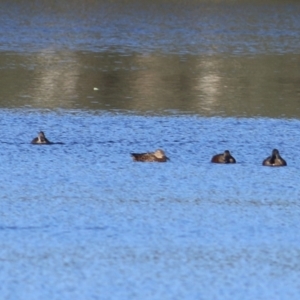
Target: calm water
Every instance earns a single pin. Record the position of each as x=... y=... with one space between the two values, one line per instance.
x=81 y=220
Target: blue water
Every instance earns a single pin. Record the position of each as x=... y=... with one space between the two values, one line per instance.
x=81 y=220
x=189 y=27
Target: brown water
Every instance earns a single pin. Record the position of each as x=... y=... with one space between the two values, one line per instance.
x=261 y=85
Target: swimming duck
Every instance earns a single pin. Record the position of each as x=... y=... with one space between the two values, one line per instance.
x=275 y=160
x=157 y=156
x=41 y=139
x=223 y=158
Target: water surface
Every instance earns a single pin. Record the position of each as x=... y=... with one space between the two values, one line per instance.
x=265 y=86
x=194 y=27
x=79 y=219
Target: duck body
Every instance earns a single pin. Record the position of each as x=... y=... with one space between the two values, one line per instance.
x=223 y=158
x=41 y=139
x=157 y=156
x=275 y=160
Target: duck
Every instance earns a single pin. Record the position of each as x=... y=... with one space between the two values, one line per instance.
x=40 y=139
x=223 y=158
x=156 y=156
x=275 y=160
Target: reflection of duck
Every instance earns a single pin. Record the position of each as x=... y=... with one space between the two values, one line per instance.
x=41 y=139
x=275 y=160
x=158 y=156
x=223 y=158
